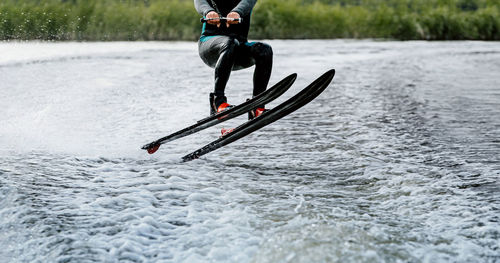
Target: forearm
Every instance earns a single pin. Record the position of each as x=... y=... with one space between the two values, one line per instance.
x=203 y=7
x=244 y=7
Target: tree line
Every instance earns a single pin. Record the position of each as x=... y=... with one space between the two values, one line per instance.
x=108 y=20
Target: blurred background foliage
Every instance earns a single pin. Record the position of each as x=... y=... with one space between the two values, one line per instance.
x=283 y=19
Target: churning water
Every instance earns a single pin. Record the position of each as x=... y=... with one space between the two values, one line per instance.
x=397 y=161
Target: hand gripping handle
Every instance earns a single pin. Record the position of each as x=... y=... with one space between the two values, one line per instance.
x=203 y=19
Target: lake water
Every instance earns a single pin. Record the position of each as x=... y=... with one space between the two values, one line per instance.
x=397 y=161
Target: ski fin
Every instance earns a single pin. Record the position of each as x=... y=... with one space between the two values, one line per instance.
x=153 y=148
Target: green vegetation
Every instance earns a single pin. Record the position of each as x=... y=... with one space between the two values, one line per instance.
x=177 y=19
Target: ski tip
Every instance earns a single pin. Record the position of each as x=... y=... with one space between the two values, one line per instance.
x=290 y=78
x=153 y=149
x=330 y=72
x=328 y=75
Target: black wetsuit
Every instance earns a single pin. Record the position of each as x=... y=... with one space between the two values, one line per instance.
x=227 y=48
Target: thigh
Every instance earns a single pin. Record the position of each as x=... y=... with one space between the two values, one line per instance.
x=210 y=48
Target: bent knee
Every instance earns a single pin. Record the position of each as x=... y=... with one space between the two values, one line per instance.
x=263 y=50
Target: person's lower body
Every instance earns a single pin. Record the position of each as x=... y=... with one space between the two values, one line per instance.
x=225 y=54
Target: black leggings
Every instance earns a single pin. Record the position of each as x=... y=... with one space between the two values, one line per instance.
x=225 y=54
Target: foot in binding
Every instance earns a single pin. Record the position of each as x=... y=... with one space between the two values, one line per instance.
x=256 y=113
x=225 y=131
x=218 y=104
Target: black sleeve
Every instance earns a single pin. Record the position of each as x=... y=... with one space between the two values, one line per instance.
x=244 y=7
x=203 y=7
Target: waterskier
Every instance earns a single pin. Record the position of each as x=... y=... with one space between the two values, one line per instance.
x=225 y=47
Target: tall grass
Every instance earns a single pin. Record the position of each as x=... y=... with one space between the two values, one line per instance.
x=98 y=20
x=424 y=19
x=178 y=20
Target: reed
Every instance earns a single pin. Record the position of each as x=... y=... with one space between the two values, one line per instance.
x=292 y=19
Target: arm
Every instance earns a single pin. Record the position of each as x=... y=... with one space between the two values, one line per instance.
x=244 y=7
x=203 y=7
x=207 y=11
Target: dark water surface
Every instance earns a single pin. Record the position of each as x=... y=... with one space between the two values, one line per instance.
x=397 y=161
